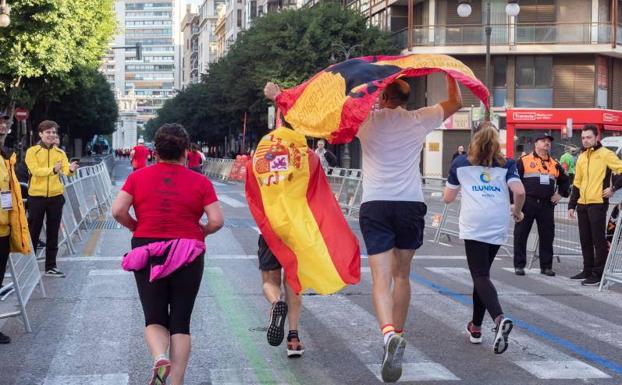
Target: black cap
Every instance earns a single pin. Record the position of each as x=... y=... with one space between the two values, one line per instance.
x=543 y=135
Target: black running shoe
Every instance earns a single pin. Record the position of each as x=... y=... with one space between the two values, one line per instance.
x=276 y=331
x=581 y=275
x=592 y=280
x=392 y=360
x=4 y=339
x=502 y=331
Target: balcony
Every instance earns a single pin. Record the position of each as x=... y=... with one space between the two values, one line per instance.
x=509 y=34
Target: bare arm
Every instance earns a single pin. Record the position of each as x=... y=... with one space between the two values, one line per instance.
x=121 y=210
x=518 y=190
x=215 y=219
x=454 y=98
x=450 y=194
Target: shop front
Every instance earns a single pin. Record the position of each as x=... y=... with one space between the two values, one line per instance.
x=523 y=124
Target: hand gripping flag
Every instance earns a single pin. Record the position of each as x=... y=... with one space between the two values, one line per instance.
x=334 y=103
x=296 y=211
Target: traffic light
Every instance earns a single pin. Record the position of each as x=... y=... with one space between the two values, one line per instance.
x=564 y=132
x=139 y=51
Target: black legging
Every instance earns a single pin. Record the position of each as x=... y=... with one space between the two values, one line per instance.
x=178 y=290
x=480 y=256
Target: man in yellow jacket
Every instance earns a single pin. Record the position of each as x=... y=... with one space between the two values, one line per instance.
x=45 y=163
x=14 y=235
x=590 y=197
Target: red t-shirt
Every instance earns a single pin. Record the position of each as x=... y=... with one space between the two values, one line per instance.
x=194 y=159
x=169 y=201
x=141 y=153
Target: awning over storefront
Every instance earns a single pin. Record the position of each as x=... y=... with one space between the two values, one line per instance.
x=553 y=119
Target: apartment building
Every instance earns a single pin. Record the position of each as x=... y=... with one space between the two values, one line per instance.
x=152 y=78
x=208 y=42
x=190 y=30
x=556 y=60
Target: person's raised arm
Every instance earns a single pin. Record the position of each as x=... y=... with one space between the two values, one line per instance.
x=454 y=98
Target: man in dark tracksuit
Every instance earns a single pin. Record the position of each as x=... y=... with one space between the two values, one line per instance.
x=545 y=183
x=590 y=197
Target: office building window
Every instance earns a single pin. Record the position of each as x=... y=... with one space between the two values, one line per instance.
x=534 y=81
x=499 y=91
x=239 y=18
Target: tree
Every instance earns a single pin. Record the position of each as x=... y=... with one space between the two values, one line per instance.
x=46 y=40
x=88 y=108
x=286 y=47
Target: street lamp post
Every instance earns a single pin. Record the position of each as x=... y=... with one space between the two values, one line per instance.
x=512 y=9
x=5 y=12
x=347 y=52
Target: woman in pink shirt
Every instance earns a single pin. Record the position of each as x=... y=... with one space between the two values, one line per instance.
x=169 y=201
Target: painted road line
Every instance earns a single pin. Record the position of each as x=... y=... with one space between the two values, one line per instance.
x=523 y=347
x=574 y=286
x=230 y=201
x=89 y=259
x=593 y=327
x=108 y=272
x=91 y=379
x=564 y=370
x=218 y=184
x=256 y=229
x=366 y=343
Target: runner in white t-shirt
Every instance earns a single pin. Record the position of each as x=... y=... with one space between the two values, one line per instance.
x=485 y=175
x=392 y=216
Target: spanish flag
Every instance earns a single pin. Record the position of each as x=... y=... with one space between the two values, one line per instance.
x=334 y=102
x=296 y=211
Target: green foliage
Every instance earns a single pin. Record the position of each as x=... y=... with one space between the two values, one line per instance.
x=88 y=108
x=46 y=40
x=287 y=47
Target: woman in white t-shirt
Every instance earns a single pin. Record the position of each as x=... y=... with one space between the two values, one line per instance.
x=485 y=176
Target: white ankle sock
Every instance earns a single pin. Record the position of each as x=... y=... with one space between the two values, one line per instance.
x=387 y=336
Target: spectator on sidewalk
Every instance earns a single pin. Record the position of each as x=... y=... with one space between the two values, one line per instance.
x=139 y=155
x=327 y=158
x=45 y=163
x=459 y=151
x=545 y=183
x=194 y=158
x=169 y=201
x=568 y=161
x=590 y=198
x=13 y=236
x=485 y=177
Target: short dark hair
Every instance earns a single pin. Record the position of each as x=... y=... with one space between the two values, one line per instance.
x=47 y=124
x=398 y=90
x=591 y=127
x=171 y=141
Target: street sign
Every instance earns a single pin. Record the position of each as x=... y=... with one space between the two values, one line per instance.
x=21 y=114
x=271 y=117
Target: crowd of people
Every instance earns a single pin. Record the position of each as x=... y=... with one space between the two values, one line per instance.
x=169 y=199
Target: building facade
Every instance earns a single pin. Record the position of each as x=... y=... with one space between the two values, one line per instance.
x=154 y=77
x=556 y=54
x=190 y=31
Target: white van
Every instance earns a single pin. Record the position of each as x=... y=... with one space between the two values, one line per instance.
x=614 y=143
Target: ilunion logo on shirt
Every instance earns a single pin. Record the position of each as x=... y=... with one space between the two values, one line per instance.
x=485 y=178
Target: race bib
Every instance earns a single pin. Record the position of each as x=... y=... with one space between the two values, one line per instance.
x=7 y=201
x=544 y=179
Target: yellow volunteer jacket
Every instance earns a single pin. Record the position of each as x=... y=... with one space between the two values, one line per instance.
x=17 y=223
x=44 y=182
x=593 y=175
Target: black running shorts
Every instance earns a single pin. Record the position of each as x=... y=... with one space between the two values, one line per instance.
x=389 y=224
x=267 y=260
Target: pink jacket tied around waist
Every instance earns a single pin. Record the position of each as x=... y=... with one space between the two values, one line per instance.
x=178 y=253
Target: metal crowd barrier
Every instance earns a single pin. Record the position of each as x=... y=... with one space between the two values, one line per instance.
x=86 y=193
x=217 y=168
x=613 y=267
